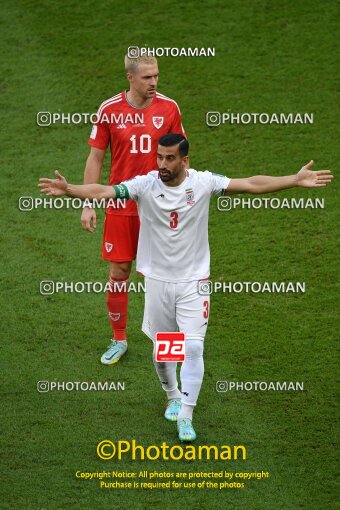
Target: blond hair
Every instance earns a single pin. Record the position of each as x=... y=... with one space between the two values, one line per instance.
x=132 y=63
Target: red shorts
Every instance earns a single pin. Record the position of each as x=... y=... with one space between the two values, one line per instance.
x=120 y=238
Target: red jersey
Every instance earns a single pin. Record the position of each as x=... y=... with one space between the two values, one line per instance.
x=133 y=135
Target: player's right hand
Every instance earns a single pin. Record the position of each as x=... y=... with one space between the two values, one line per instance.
x=55 y=187
x=87 y=216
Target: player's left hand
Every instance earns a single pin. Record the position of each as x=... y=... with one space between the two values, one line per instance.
x=56 y=187
x=307 y=178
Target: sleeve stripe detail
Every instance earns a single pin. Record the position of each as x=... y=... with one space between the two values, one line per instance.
x=115 y=99
x=161 y=96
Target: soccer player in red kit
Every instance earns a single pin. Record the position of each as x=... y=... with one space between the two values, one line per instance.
x=131 y=123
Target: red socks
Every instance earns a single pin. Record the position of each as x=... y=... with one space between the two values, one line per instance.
x=117 y=305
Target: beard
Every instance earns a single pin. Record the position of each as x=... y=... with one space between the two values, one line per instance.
x=165 y=177
x=169 y=176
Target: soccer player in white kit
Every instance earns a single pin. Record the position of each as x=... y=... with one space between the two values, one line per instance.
x=173 y=253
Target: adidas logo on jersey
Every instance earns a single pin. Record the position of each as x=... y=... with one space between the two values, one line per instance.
x=121 y=126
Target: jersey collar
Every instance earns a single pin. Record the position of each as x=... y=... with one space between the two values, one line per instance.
x=133 y=106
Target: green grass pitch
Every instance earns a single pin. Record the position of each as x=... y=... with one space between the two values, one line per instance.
x=275 y=56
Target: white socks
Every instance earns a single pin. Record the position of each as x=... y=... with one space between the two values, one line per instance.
x=173 y=394
x=167 y=375
x=185 y=412
x=192 y=372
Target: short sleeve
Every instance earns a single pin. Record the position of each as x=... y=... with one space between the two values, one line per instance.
x=137 y=186
x=176 y=125
x=218 y=182
x=100 y=134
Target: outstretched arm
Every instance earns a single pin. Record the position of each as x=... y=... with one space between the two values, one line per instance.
x=305 y=178
x=92 y=172
x=59 y=187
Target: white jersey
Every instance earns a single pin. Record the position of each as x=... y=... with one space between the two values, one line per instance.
x=173 y=241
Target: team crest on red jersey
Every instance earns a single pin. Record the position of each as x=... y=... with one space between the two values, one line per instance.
x=158 y=122
x=108 y=247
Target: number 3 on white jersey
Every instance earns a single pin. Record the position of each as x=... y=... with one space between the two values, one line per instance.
x=144 y=144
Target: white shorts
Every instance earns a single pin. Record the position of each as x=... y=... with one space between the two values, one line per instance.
x=175 y=307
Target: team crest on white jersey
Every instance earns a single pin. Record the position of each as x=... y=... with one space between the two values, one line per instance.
x=158 y=122
x=114 y=316
x=190 y=196
x=108 y=247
